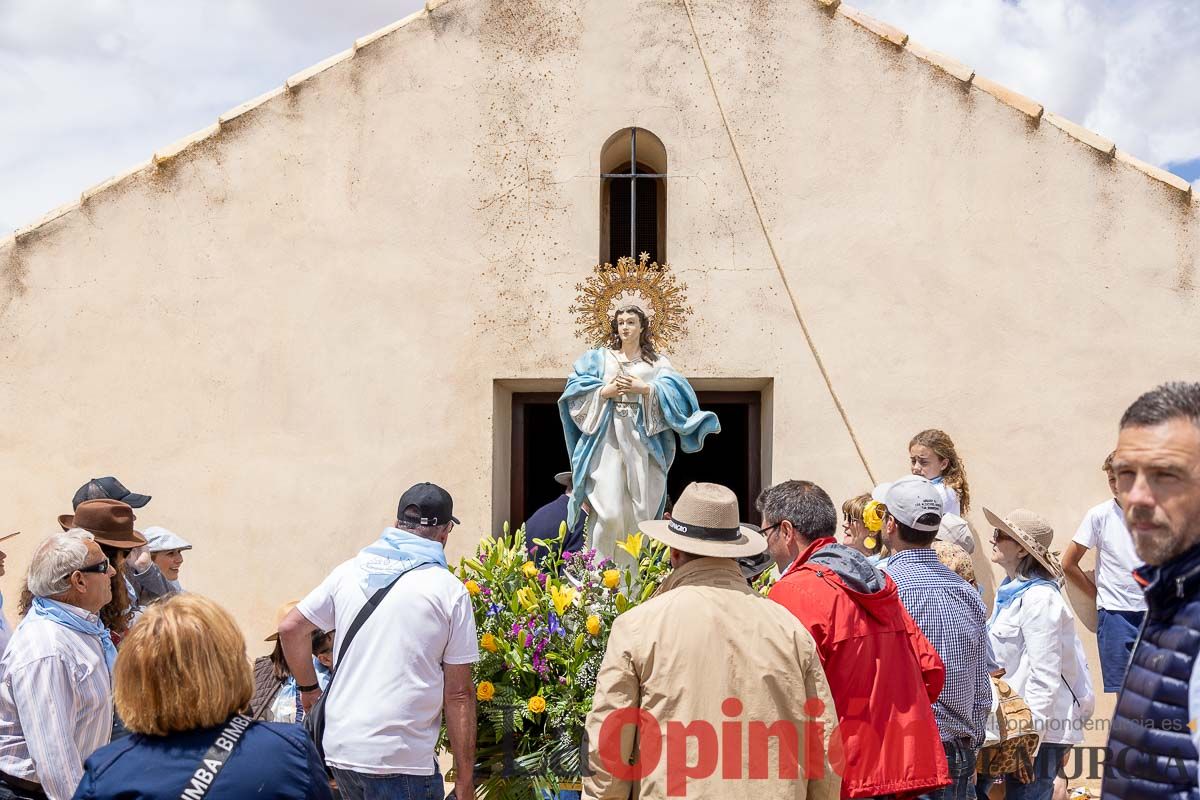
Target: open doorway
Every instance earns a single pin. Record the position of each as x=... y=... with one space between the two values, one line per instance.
x=732 y=457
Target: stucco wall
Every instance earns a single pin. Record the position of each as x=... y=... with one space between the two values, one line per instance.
x=277 y=328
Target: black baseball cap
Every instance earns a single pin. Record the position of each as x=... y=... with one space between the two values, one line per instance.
x=108 y=488
x=434 y=505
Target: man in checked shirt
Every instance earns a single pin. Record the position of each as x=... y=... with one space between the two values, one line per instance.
x=950 y=613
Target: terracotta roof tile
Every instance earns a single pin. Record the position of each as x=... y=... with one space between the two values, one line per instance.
x=249 y=105
x=943 y=62
x=880 y=29
x=1158 y=173
x=1009 y=97
x=316 y=69
x=1090 y=138
x=175 y=148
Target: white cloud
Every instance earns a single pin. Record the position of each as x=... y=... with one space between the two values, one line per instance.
x=1128 y=70
x=89 y=89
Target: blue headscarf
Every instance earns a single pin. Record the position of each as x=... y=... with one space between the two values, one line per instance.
x=55 y=611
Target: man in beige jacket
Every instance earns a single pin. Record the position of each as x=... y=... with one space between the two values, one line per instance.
x=709 y=690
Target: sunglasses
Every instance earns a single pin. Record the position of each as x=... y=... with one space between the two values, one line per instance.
x=999 y=536
x=101 y=567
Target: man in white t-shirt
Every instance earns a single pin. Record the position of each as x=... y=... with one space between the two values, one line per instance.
x=410 y=658
x=1120 y=605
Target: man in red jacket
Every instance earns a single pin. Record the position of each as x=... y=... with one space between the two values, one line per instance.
x=883 y=673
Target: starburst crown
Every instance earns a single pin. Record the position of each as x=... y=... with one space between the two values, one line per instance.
x=643 y=283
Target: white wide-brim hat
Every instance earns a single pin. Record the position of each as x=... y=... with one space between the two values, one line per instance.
x=160 y=540
x=704 y=522
x=1032 y=532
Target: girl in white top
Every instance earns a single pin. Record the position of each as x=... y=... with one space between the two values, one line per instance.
x=1032 y=633
x=932 y=455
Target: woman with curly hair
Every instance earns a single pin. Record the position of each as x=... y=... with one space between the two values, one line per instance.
x=932 y=455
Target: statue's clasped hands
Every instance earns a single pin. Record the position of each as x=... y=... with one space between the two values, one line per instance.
x=625 y=384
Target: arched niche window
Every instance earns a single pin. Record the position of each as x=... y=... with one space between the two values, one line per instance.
x=633 y=196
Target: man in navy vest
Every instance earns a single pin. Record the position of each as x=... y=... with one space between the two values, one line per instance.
x=545 y=522
x=1153 y=741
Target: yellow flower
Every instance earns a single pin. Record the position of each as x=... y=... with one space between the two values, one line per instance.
x=472 y=588
x=612 y=578
x=488 y=642
x=872 y=518
x=593 y=625
x=561 y=597
x=485 y=691
x=526 y=599
x=562 y=529
x=530 y=569
x=537 y=704
x=632 y=544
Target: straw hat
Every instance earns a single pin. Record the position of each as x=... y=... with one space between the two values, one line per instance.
x=1032 y=532
x=704 y=522
x=563 y=478
x=280 y=614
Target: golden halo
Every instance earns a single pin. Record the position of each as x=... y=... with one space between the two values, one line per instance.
x=643 y=283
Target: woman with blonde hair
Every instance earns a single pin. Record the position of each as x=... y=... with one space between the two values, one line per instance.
x=932 y=455
x=861 y=526
x=182 y=684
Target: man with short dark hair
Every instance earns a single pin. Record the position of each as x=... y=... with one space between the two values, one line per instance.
x=547 y=521
x=411 y=659
x=1152 y=745
x=882 y=671
x=950 y=613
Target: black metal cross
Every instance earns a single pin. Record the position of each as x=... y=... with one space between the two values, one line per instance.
x=633 y=176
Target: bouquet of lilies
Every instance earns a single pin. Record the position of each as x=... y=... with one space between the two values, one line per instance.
x=542 y=633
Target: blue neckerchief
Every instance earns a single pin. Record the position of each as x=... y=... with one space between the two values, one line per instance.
x=394 y=552
x=56 y=612
x=936 y=480
x=1009 y=590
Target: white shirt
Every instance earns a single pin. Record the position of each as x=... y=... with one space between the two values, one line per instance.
x=1034 y=640
x=384 y=708
x=1103 y=528
x=55 y=704
x=950 y=501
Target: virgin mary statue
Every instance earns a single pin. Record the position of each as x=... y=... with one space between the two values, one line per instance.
x=622 y=408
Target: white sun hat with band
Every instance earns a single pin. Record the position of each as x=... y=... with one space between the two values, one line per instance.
x=1032 y=532
x=704 y=522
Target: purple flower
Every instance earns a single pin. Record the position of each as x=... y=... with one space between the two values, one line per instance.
x=554 y=626
x=493 y=609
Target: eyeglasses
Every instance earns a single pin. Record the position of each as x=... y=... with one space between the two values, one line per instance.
x=766 y=532
x=101 y=567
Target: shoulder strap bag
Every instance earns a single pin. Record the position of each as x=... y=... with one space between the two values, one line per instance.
x=210 y=766
x=314 y=720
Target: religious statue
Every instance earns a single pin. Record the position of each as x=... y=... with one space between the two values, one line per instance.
x=624 y=403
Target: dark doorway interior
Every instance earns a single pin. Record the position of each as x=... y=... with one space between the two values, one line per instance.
x=731 y=457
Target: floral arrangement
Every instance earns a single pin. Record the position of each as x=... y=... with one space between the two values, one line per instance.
x=543 y=627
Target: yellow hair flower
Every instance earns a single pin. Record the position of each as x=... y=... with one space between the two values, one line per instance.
x=472 y=588
x=485 y=691
x=536 y=704
x=593 y=625
x=488 y=642
x=561 y=597
x=872 y=518
x=530 y=569
x=632 y=544
x=612 y=578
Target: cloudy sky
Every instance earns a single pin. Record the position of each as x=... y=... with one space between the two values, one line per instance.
x=89 y=88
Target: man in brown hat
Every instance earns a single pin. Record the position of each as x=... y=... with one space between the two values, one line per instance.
x=703 y=666
x=111 y=523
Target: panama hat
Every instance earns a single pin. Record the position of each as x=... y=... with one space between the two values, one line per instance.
x=281 y=614
x=109 y=521
x=1032 y=532
x=704 y=522
x=563 y=478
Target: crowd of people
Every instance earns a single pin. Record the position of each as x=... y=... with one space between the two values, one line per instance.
x=872 y=669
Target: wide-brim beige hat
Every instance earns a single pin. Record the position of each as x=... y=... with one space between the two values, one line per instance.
x=280 y=614
x=704 y=522
x=1032 y=532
